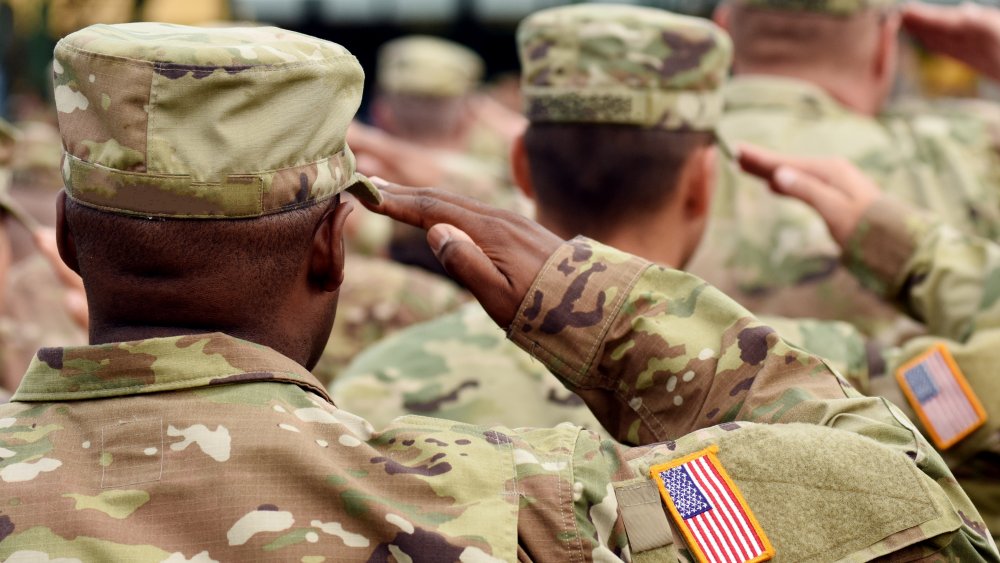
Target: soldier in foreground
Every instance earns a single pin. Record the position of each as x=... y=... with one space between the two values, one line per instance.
x=190 y=428
x=632 y=180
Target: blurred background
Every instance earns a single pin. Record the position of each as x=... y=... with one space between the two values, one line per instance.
x=30 y=28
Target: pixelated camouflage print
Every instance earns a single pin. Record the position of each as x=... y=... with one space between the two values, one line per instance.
x=622 y=64
x=951 y=280
x=379 y=298
x=774 y=255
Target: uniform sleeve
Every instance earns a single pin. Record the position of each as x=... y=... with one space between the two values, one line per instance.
x=940 y=276
x=658 y=354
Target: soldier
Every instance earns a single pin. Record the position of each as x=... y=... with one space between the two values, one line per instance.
x=164 y=440
x=800 y=88
x=45 y=303
x=426 y=101
x=625 y=180
x=940 y=276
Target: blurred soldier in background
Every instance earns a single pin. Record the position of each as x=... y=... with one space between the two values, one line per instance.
x=801 y=88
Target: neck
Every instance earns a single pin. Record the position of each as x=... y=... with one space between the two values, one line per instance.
x=848 y=90
x=657 y=239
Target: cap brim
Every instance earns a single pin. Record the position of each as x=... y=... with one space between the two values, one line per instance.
x=363 y=188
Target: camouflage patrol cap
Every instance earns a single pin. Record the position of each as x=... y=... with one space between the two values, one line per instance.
x=831 y=7
x=631 y=65
x=174 y=121
x=428 y=66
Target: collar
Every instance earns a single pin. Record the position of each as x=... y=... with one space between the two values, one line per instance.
x=757 y=91
x=154 y=365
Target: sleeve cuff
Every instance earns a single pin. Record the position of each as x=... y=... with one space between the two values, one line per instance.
x=881 y=247
x=571 y=305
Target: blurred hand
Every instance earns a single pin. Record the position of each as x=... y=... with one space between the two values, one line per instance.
x=380 y=154
x=495 y=254
x=76 y=298
x=834 y=187
x=968 y=32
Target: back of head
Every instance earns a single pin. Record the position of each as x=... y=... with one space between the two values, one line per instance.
x=423 y=84
x=198 y=163
x=835 y=38
x=618 y=99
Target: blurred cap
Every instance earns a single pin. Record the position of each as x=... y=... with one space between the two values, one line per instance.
x=173 y=121
x=622 y=64
x=428 y=66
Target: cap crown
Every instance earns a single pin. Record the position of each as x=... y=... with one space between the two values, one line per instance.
x=623 y=64
x=176 y=121
x=428 y=66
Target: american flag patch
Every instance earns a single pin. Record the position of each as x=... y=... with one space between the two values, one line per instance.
x=939 y=392
x=710 y=511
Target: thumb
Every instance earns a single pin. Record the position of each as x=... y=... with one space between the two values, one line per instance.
x=466 y=262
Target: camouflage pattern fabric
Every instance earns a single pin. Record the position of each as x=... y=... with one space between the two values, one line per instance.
x=622 y=64
x=183 y=447
x=377 y=299
x=951 y=281
x=421 y=65
x=774 y=255
x=462 y=367
x=829 y=7
x=33 y=318
x=124 y=96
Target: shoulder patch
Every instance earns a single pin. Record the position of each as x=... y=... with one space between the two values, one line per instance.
x=710 y=511
x=945 y=403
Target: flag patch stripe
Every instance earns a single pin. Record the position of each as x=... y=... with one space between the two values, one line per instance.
x=710 y=511
x=936 y=388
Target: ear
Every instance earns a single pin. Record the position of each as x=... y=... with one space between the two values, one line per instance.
x=701 y=184
x=520 y=167
x=326 y=262
x=64 y=238
x=723 y=11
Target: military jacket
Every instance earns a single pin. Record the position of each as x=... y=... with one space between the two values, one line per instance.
x=774 y=254
x=206 y=447
x=378 y=298
x=462 y=367
x=951 y=281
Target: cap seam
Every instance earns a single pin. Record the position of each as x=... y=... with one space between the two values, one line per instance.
x=122 y=60
x=203 y=182
x=218 y=216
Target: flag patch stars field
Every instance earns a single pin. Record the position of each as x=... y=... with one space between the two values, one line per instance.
x=710 y=511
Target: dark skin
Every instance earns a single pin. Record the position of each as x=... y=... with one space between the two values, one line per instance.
x=496 y=253
x=298 y=326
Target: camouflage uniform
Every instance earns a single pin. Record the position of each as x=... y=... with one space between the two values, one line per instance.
x=462 y=367
x=205 y=447
x=774 y=255
x=378 y=298
x=950 y=281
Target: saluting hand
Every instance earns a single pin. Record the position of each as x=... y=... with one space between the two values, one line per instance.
x=968 y=32
x=834 y=187
x=496 y=254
